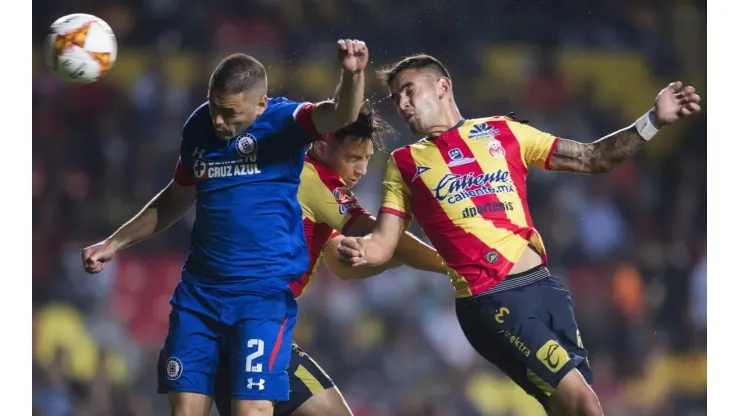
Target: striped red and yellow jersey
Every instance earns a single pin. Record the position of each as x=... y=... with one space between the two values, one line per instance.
x=467 y=189
x=328 y=205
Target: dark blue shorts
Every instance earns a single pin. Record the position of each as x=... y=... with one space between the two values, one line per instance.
x=247 y=332
x=528 y=332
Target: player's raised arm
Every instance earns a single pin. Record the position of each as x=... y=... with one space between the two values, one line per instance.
x=163 y=210
x=672 y=104
x=330 y=116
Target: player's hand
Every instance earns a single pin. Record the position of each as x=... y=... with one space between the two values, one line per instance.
x=352 y=251
x=676 y=102
x=353 y=55
x=95 y=256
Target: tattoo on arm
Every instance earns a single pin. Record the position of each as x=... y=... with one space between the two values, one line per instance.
x=597 y=157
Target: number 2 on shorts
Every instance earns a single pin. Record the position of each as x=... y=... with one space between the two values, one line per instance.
x=256 y=368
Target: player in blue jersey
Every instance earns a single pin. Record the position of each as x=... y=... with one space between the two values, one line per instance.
x=240 y=162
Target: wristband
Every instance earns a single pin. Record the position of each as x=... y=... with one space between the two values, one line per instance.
x=646 y=125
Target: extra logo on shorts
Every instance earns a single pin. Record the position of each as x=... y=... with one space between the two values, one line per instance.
x=553 y=356
x=246 y=145
x=173 y=369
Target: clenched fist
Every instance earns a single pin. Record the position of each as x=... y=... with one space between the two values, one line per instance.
x=353 y=55
x=95 y=256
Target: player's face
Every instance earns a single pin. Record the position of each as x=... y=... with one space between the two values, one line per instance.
x=233 y=113
x=349 y=158
x=419 y=95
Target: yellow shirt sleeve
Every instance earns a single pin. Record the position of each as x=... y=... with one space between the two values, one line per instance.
x=396 y=195
x=537 y=146
x=327 y=200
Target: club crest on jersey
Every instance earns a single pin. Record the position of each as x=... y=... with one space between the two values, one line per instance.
x=346 y=199
x=495 y=149
x=457 y=158
x=343 y=195
x=482 y=131
x=246 y=145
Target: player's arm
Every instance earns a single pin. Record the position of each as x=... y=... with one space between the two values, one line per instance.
x=163 y=210
x=410 y=250
x=330 y=116
x=168 y=206
x=378 y=247
x=597 y=157
x=332 y=262
x=603 y=155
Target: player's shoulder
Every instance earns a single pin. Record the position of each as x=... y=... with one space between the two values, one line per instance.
x=199 y=119
x=492 y=126
x=281 y=107
x=199 y=115
x=198 y=125
x=417 y=148
x=317 y=176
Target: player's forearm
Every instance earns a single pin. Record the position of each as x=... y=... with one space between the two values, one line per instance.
x=377 y=249
x=597 y=157
x=349 y=96
x=332 y=262
x=363 y=272
x=159 y=214
x=330 y=116
x=415 y=253
x=382 y=242
x=604 y=154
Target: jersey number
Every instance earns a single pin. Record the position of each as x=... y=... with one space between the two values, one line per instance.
x=256 y=368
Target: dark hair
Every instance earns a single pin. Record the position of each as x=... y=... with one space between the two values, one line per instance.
x=421 y=61
x=368 y=126
x=237 y=73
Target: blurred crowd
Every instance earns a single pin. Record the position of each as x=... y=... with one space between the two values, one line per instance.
x=630 y=245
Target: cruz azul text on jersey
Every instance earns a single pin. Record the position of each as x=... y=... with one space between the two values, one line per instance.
x=455 y=187
x=245 y=146
x=224 y=169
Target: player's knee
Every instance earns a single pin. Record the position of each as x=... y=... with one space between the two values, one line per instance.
x=328 y=402
x=574 y=397
x=251 y=408
x=189 y=404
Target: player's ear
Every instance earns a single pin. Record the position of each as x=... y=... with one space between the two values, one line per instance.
x=262 y=105
x=320 y=148
x=444 y=87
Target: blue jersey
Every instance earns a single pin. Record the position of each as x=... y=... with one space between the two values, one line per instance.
x=248 y=224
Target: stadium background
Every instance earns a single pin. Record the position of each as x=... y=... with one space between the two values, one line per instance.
x=631 y=246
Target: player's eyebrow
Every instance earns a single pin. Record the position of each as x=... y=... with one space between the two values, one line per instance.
x=401 y=88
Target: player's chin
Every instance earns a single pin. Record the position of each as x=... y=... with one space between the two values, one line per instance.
x=414 y=126
x=224 y=136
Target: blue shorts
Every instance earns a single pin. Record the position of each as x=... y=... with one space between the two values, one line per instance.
x=255 y=328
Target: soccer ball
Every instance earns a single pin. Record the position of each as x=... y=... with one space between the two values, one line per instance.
x=81 y=48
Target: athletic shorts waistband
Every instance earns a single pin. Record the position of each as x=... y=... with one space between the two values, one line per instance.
x=517 y=280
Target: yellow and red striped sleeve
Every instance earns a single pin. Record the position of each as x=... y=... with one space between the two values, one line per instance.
x=396 y=198
x=536 y=146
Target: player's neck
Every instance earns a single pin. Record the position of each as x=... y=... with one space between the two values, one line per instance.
x=449 y=119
